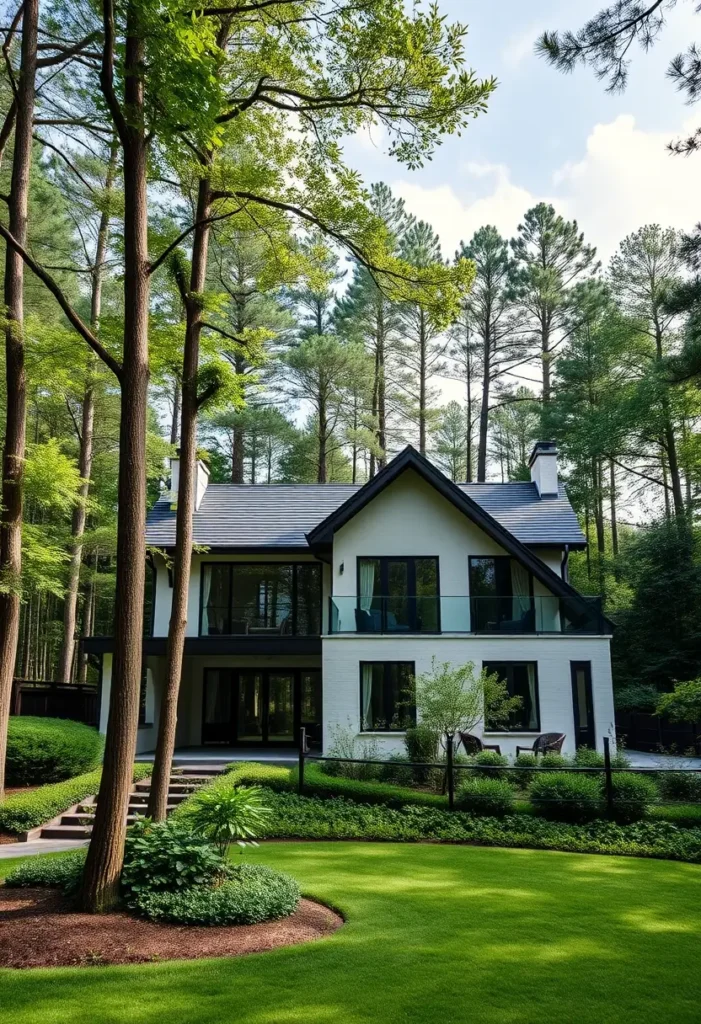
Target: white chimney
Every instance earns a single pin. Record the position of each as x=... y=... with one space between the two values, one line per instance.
x=543 y=466
x=200 y=486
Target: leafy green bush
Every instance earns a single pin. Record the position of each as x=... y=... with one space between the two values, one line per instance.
x=526 y=761
x=632 y=795
x=62 y=871
x=397 y=770
x=24 y=811
x=562 y=796
x=167 y=856
x=585 y=757
x=253 y=773
x=421 y=746
x=683 y=815
x=553 y=760
x=487 y=764
x=485 y=796
x=636 y=697
x=317 y=783
x=685 y=785
x=346 y=744
x=297 y=817
x=250 y=894
x=226 y=816
x=42 y=750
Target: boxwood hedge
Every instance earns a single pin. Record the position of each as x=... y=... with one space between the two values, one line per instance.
x=42 y=750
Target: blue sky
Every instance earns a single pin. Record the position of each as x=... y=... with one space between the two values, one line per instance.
x=598 y=158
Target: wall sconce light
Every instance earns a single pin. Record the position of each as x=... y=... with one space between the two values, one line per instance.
x=341 y=568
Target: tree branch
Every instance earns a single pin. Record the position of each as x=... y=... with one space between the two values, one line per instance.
x=183 y=235
x=71 y=315
x=65 y=52
x=59 y=152
x=107 y=72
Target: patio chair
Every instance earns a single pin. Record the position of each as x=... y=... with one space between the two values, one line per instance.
x=473 y=744
x=546 y=743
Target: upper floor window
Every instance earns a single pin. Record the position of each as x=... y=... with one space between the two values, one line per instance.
x=501 y=595
x=398 y=595
x=521 y=678
x=267 y=598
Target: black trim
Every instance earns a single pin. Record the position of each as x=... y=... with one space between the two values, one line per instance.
x=384 y=663
x=411 y=459
x=575 y=666
x=205 y=645
x=511 y=662
x=260 y=549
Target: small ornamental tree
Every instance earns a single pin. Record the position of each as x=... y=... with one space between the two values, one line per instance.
x=452 y=699
x=684 y=704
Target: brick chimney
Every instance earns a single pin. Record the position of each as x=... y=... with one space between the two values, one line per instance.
x=543 y=466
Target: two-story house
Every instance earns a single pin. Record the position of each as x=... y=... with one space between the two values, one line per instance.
x=318 y=604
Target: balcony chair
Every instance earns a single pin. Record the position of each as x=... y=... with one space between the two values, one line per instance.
x=473 y=744
x=546 y=743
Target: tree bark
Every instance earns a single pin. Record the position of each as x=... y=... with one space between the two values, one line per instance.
x=323 y=432
x=423 y=372
x=614 y=514
x=158 y=798
x=545 y=360
x=16 y=385
x=175 y=421
x=103 y=866
x=484 y=411
x=70 y=603
x=237 y=456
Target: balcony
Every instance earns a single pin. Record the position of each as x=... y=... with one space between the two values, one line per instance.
x=435 y=615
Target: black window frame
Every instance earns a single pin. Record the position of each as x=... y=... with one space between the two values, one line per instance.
x=411 y=596
x=234 y=564
x=385 y=663
x=503 y=602
x=511 y=663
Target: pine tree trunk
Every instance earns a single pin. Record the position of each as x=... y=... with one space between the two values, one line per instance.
x=614 y=514
x=175 y=422
x=422 y=382
x=16 y=384
x=103 y=866
x=468 y=446
x=168 y=720
x=484 y=412
x=323 y=431
x=381 y=397
x=545 y=359
x=86 y=630
x=237 y=457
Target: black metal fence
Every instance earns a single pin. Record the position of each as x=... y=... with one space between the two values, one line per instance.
x=55 y=700
x=452 y=769
x=641 y=731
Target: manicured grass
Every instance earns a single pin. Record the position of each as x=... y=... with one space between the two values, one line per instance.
x=433 y=934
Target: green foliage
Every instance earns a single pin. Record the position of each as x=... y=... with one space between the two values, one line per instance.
x=684 y=704
x=317 y=782
x=561 y=796
x=450 y=700
x=488 y=796
x=488 y=763
x=251 y=893
x=236 y=814
x=296 y=817
x=397 y=770
x=63 y=871
x=42 y=750
x=636 y=697
x=526 y=761
x=167 y=856
x=345 y=744
x=554 y=760
x=683 y=785
x=24 y=811
x=421 y=744
x=632 y=796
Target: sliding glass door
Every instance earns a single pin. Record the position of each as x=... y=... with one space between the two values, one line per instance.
x=260 y=707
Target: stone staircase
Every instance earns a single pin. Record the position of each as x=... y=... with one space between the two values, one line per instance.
x=76 y=822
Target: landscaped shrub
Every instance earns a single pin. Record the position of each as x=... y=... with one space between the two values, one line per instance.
x=553 y=760
x=345 y=744
x=253 y=773
x=227 y=816
x=167 y=856
x=421 y=746
x=487 y=764
x=397 y=770
x=296 y=817
x=585 y=757
x=485 y=796
x=24 y=811
x=318 y=783
x=564 y=796
x=42 y=750
x=632 y=795
x=61 y=871
x=526 y=761
x=250 y=894
x=680 y=785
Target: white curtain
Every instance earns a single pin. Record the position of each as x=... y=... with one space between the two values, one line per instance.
x=533 y=713
x=206 y=588
x=366 y=696
x=367 y=585
x=521 y=589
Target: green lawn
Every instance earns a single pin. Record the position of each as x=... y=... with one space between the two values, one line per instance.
x=433 y=933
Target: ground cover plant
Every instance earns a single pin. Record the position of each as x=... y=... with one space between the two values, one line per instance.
x=530 y=935
x=42 y=750
x=21 y=812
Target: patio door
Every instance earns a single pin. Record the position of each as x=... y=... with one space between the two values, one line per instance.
x=583 y=704
x=260 y=707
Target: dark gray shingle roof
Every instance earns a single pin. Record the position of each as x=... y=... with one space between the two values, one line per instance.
x=240 y=515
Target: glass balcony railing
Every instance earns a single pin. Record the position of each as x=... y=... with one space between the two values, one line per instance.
x=433 y=614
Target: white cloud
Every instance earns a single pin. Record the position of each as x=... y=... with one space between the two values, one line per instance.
x=626 y=178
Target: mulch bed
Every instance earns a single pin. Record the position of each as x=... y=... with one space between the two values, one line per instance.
x=39 y=928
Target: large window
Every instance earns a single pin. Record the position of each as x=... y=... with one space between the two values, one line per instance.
x=387 y=693
x=521 y=678
x=271 y=598
x=501 y=598
x=398 y=595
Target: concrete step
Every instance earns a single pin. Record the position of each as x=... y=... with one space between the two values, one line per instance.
x=66 y=832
